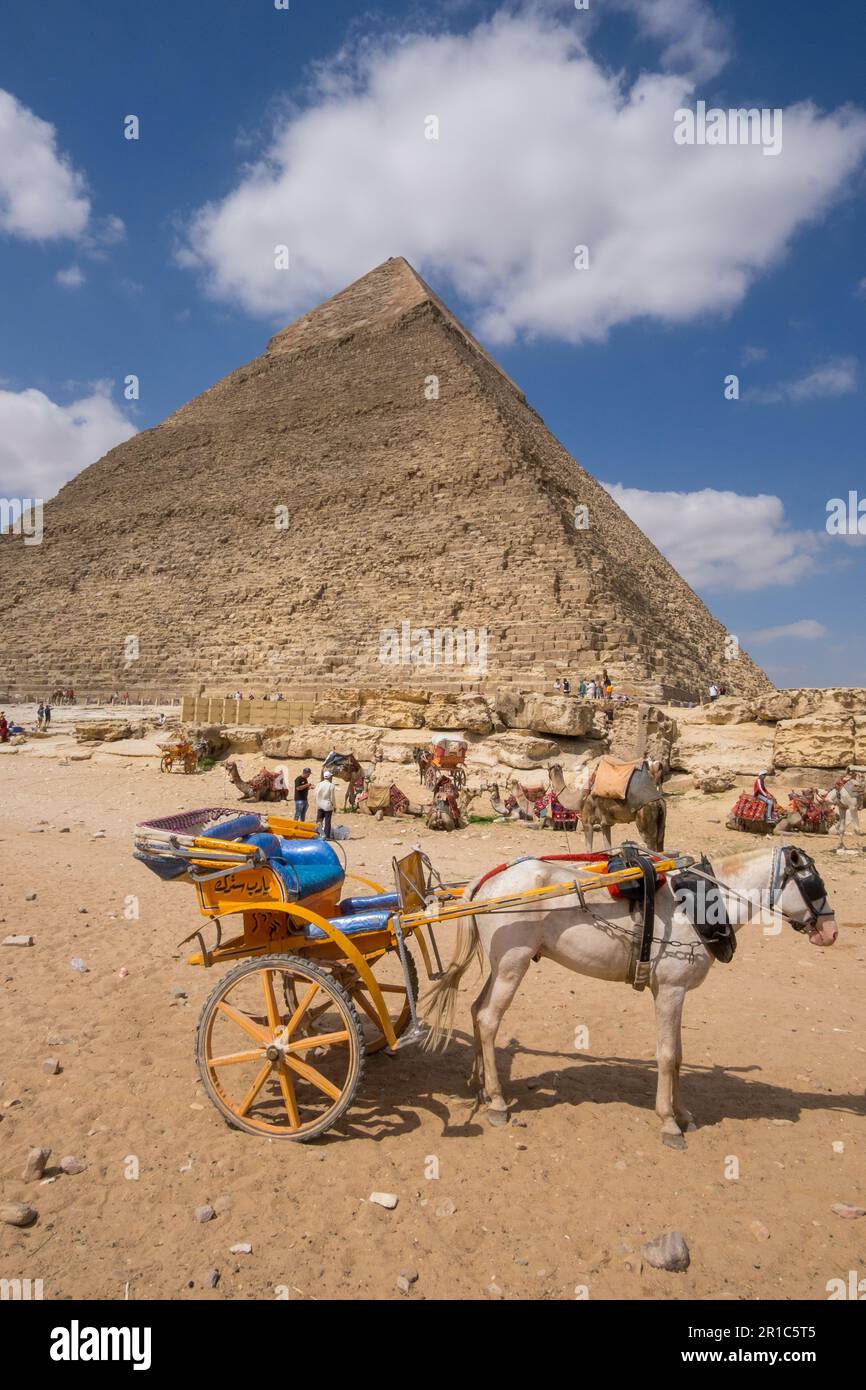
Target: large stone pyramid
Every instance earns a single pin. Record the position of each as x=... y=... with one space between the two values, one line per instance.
x=419 y=487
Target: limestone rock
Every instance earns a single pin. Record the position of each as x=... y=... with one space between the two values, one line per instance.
x=668 y=1251
x=241 y=738
x=334 y=711
x=318 y=740
x=729 y=710
x=714 y=780
x=558 y=714
x=103 y=730
x=521 y=750
x=815 y=741
x=468 y=713
x=17 y=1213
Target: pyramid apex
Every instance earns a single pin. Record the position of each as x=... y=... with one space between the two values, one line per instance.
x=384 y=293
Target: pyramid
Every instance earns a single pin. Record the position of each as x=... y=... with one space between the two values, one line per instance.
x=374 y=468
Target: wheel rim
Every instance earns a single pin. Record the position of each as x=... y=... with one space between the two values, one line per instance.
x=280 y=1049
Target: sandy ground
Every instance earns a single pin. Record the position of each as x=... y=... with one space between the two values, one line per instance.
x=774 y=1071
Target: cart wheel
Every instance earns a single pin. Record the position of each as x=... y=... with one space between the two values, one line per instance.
x=165 y=762
x=263 y=1068
x=389 y=977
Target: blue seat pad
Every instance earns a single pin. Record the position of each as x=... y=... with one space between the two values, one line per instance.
x=378 y=903
x=349 y=925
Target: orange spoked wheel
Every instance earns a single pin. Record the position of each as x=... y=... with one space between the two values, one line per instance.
x=280 y=1048
x=389 y=977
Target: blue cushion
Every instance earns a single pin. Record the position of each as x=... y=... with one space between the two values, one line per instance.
x=362 y=921
x=378 y=903
x=238 y=828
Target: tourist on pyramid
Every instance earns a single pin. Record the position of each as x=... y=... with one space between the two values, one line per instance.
x=557 y=685
x=566 y=686
x=581 y=689
x=40 y=715
x=605 y=678
x=590 y=690
x=326 y=804
x=302 y=793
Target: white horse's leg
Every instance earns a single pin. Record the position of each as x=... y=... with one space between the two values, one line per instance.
x=588 y=831
x=669 y=1000
x=476 y=1078
x=606 y=827
x=506 y=975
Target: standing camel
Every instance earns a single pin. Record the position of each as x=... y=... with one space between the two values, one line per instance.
x=644 y=803
x=602 y=940
x=848 y=796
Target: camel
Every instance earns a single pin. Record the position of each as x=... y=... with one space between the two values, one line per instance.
x=265 y=786
x=848 y=796
x=508 y=809
x=648 y=812
x=346 y=767
x=601 y=940
x=450 y=805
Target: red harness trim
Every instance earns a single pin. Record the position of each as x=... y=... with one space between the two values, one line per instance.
x=588 y=856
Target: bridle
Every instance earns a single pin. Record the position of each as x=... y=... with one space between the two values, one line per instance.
x=804 y=873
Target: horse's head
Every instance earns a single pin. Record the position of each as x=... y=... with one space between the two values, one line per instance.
x=801 y=895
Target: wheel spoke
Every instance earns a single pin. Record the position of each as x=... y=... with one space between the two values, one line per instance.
x=315 y=1077
x=254 y=1089
x=270 y=1000
x=324 y=1040
x=301 y=1009
x=245 y=1022
x=360 y=998
x=234 y=1058
x=287 y=1086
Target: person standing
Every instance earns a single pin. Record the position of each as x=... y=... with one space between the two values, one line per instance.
x=590 y=690
x=4 y=727
x=46 y=717
x=40 y=715
x=566 y=686
x=326 y=804
x=302 y=793
x=581 y=689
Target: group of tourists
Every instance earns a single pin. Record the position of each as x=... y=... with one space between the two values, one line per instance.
x=600 y=688
x=43 y=715
x=325 y=796
x=115 y=698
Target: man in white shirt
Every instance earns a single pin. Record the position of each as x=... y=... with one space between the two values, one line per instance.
x=326 y=804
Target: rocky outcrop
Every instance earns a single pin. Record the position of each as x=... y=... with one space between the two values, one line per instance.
x=103 y=731
x=816 y=740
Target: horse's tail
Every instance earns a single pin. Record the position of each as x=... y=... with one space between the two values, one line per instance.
x=439 y=1003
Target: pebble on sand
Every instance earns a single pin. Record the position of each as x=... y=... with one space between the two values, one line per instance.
x=51 y=1066
x=213 y=1278
x=19 y=940
x=205 y=1213
x=72 y=1164
x=78 y=964
x=30 y=897
x=242 y=1248
x=388 y=1200
x=35 y=1165
x=848 y=1210
x=668 y=1251
x=17 y=1213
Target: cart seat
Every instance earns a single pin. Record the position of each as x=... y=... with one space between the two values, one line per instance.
x=350 y=925
x=349 y=906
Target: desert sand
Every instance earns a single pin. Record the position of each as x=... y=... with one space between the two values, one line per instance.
x=553 y=1206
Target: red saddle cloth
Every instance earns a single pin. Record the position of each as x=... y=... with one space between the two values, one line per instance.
x=750 y=808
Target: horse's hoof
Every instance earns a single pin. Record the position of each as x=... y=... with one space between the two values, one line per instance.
x=674 y=1141
x=497 y=1118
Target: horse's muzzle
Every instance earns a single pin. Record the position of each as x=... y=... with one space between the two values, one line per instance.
x=824 y=932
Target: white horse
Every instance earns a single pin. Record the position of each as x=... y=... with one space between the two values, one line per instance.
x=602 y=940
x=848 y=797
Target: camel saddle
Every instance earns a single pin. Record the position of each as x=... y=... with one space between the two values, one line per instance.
x=619 y=781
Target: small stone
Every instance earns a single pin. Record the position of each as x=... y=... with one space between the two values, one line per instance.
x=17 y=1213
x=522 y=1147
x=30 y=897
x=178 y=994
x=51 y=1066
x=213 y=1278
x=668 y=1251
x=78 y=964
x=71 y=1165
x=759 y=1230
x=403 y=1283
x=122 y=973
x=205 y=1213
x=446 y=1208
x=64 y=830
x=19 y=940
x=35 y=1165
x=99 y=835
x=242 y=1248
x=388 y=1200
x=515 y=1120
x=83 y=909
x=519 y=1261
x=847 y=1210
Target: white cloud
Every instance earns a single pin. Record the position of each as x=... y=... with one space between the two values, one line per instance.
x=722 y=540
x=43 y=444
x=692 y=37
x=41 y=195
x=804 y=630
x=752 y=354
x=540 y=149
x=72 y=278
x=837 y=377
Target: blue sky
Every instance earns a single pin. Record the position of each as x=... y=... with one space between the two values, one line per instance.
x=145 y=256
